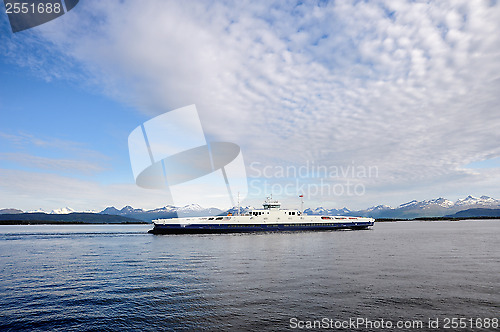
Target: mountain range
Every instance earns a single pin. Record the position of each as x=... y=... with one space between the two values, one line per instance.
x=169 y=211
x=440 y=207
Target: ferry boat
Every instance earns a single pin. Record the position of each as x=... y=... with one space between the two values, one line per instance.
x=270 y=218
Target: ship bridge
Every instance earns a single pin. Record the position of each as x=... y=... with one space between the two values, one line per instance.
x=271 y=205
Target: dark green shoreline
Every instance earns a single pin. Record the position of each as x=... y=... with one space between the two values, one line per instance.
x=44 y=222
x=65 y=219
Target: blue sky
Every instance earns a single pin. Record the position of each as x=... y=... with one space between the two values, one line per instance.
x=407 y=88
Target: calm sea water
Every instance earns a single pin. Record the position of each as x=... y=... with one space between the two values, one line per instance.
x=119 y=278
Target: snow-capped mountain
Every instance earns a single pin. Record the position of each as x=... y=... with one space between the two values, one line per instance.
x=430 y=208
x=146 y=215
x=437 y=207
x=65 y=210
x=168 y=211
x=477 y=201
x=40 y=210
x=330 y=212
x=408 y=205
x=243 y=210
x=195 y=210
x=441 y=202
x=468 y=202
x=190 y=208
x=379 y=208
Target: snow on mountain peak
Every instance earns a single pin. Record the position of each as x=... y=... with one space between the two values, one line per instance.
x=443 y=202
x=65 y=210
x=167 y=208
x=40 y=210
x=471 y=200
x=409 y=204
x=191 y=207
x=379 y=208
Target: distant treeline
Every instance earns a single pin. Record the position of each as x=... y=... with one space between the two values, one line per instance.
x=70 y=218
x=44 y=222
x=457 y=218
x=475 y=213
x=434 y=219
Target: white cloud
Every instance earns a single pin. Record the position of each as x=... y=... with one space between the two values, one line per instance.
x=54 y=164
x=29 y=190
x=24 y=140
x=37 y=153
x=407 y=86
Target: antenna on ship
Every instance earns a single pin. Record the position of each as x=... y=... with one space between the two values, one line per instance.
x=301 y=204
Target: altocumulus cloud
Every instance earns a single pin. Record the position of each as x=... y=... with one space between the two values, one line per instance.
x=410 y=87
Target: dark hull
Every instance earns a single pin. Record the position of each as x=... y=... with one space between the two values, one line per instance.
x=232 y=228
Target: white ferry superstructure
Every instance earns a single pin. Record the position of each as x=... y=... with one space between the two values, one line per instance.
x=270 y=218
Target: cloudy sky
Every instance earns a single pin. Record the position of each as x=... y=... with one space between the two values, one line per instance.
x=352 y=104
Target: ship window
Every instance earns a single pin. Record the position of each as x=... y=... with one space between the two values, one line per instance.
x=218 y=218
